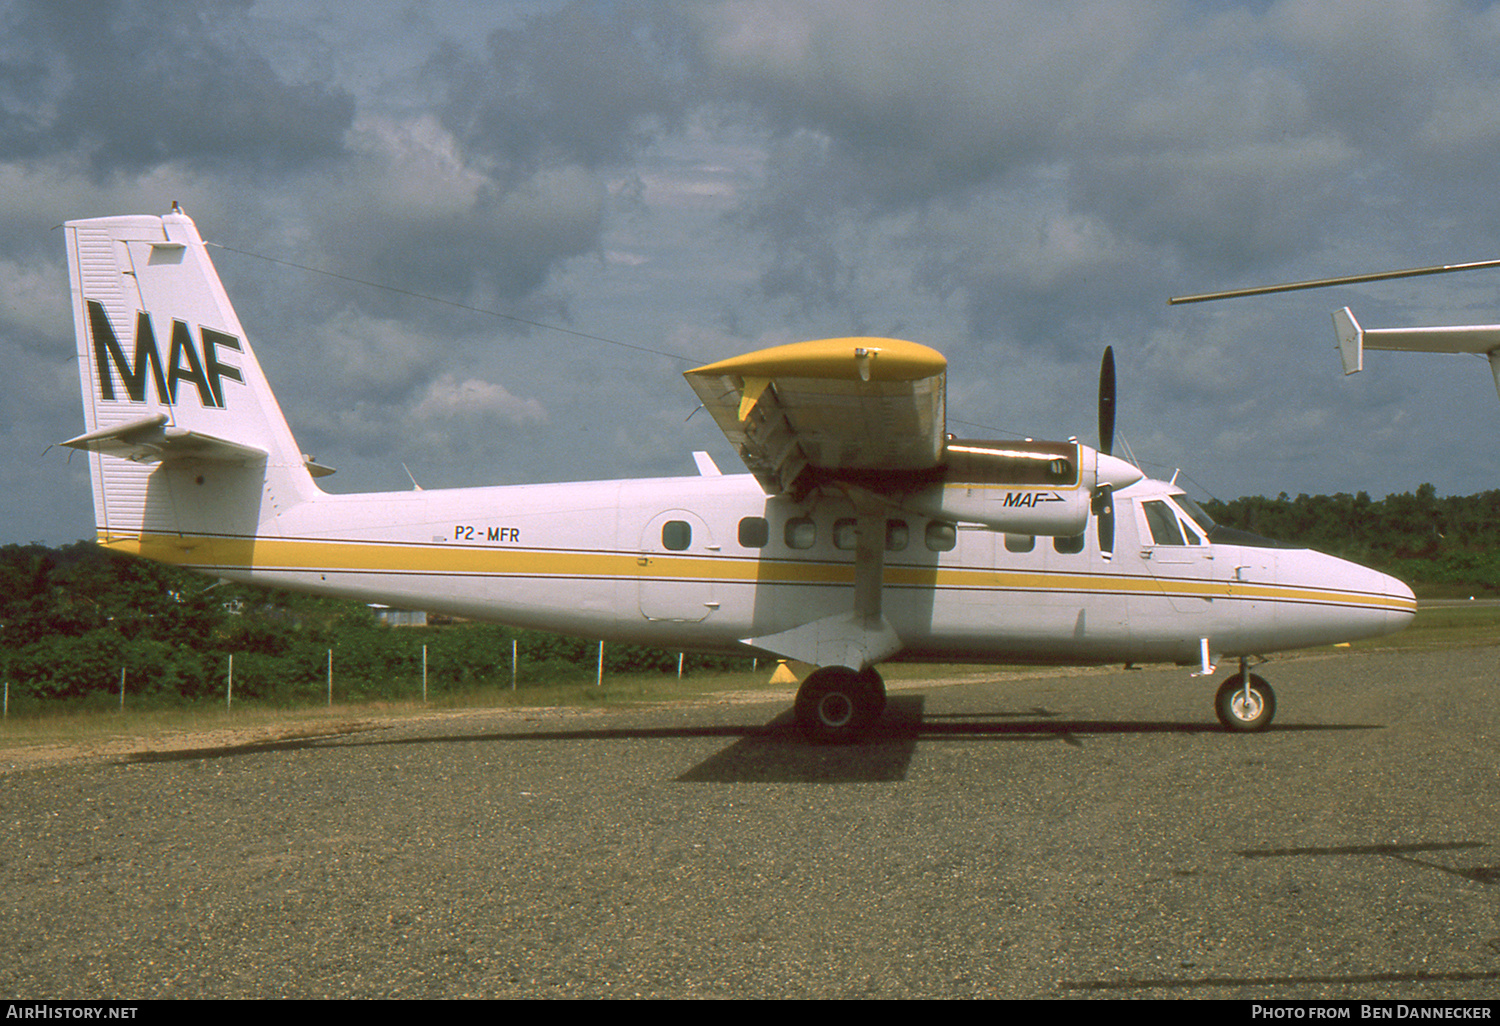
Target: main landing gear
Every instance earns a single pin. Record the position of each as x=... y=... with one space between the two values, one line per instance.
x=837 y=705
x=1245 y=702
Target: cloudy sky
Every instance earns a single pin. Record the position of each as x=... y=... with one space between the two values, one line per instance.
x=1016 y=184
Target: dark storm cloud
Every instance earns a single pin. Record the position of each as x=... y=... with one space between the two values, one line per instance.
x=443 y=229
x=1015 y=181
x=1168 y=138
x=930 y=127
x=922 y=101
x=505 y=178
x=590 y=84
x=128 y=84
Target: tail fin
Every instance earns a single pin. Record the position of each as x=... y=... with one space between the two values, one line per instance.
x=186 y=442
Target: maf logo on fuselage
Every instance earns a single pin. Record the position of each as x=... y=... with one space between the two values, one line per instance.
x=185 y=362
x=1031 y=498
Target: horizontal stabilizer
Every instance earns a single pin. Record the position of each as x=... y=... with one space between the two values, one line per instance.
x=152 y=438
x=1480 y=339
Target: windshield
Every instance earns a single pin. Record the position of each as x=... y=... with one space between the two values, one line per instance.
x=1195 y=511
x=1218 y=533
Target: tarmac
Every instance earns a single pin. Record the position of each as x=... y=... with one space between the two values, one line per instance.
x=1057 y=836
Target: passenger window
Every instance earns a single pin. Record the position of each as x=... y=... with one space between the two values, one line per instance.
x=897 y=535
x=676 y=535
x=801 y=533
x=754 y=533
x=845 y=533
x=941 y=537
x=1068 y=545
x=1163 y=523
x=1020 y=542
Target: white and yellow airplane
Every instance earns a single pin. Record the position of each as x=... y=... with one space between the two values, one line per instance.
x=863 y=532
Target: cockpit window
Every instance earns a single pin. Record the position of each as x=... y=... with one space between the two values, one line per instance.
x=1163 y=523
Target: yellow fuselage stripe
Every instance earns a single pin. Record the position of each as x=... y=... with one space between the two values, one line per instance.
x=362 y=557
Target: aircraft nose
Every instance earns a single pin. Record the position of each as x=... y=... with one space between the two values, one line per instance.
x=1403 y=607
x=1359 y=602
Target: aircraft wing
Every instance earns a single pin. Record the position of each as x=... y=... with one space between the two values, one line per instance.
x=838 y=404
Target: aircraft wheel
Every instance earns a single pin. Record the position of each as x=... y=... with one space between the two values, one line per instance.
x=836 y=705
x=1242 y=713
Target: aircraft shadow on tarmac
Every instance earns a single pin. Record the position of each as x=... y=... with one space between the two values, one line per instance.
x=777 y=752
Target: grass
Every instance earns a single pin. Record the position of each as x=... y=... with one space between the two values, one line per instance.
x=1446 y=626
x=84 y=728
x=94 y=727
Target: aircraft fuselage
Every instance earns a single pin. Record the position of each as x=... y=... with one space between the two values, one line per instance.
x=701 y=563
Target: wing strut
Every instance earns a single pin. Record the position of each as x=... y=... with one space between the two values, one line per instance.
x=861 y=637
x=869 y=565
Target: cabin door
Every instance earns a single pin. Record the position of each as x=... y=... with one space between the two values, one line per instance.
x=675 y=568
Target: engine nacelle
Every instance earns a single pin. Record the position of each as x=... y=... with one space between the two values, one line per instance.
x=1041 y=488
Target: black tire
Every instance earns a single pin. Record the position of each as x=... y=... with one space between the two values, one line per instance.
x=837 y=705
x=876 y=686
x=1239 y=715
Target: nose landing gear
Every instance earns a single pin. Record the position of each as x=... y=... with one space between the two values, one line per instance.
x=1245 y=702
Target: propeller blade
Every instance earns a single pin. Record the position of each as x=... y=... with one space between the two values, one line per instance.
x=1107 y=402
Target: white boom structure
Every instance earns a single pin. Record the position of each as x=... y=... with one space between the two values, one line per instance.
x=1477 y=339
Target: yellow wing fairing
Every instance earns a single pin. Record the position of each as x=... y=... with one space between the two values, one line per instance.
x=843 y=404
x=872 y=360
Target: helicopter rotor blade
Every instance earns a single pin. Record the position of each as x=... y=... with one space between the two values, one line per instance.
x=1323 y=283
